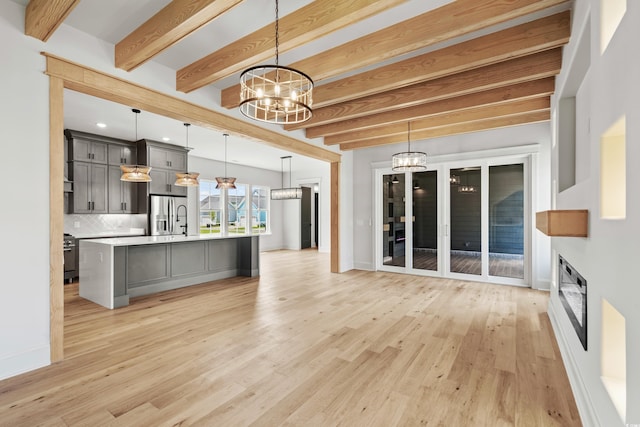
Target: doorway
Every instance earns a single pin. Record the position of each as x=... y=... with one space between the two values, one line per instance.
x=466 y=220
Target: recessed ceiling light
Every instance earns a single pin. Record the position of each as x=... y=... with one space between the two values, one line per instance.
x=164 y=138
x=101 y=125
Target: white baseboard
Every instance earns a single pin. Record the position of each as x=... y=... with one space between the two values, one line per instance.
x=543 y=285
x=24 y=362
x=580 y=392
x=363 y=266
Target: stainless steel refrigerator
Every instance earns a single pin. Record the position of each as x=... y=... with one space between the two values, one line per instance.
x=168 y=215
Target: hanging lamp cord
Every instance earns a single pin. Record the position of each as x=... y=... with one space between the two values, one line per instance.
x=281 y=172
x=225 y=154
x=409 y=135
x=289 y=172
x=277 y=37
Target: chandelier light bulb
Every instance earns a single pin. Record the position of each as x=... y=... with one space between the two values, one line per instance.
x=259 y=93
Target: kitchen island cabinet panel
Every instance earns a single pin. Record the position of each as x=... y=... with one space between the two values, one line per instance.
x=188 y=258
x=114 y=270
x=147 y=264
x=223 y=255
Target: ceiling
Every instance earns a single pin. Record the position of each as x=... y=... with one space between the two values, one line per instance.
x=445 y=67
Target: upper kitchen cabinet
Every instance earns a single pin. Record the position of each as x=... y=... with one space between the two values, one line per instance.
x=166 y=158
x=123 y=196
x=125 y=154
x=85 y=147
x=90 y=188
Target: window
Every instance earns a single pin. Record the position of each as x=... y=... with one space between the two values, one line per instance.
x=242 y=213
x=237 y=209
x=259 y=209
x=210 y=207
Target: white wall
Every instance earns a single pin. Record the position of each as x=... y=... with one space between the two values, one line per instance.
x=24 y=264
x=363 y=184
x=607 y=259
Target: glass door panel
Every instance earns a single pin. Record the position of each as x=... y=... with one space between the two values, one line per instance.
x=506 y=221
x=393 y=237
x=465 y=221
x=425 y=225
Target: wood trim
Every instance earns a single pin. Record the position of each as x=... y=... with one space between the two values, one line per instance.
x=335 y=217
x=491 y=97
x=101 y=85
x=483 y=112
x=493 y=123
x=566 y=223
x=302 y=26
x=43 y=17
x=56 y=218
x=518 y=70
x=174 y=22
x=542 y=34
x=451 y=20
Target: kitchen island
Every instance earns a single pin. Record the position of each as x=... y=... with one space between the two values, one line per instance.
x=113 y=270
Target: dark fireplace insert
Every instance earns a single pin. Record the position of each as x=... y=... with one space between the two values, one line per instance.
x=573 y=295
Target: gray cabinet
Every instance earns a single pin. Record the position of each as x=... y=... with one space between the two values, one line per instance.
x=87 y=150
x=123 y=196
x=90 y=188
x=163 y=183
x=94 y=167
x=165 y=160
x=122 y=154
x=161 y=157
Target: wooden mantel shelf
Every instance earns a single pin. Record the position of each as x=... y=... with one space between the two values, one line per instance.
x=567 y=223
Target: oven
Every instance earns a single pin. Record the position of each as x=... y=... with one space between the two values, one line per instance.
x=70 y=251
x=573 y=295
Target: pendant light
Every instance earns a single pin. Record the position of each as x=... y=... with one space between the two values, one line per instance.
x=286 y=193
x=467 y=188
x=135 y=173
x=409 y=161
x=275 y=94
x=187 y=179
x=225 y=181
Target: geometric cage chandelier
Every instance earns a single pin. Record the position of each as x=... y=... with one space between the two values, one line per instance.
x=409 y=161
x=276 y=94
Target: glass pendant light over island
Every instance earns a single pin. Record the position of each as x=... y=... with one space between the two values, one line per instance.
x=225 y=181
x=276 y=94
x=187 y=179
x=409 y=161
x=286 y=193
x=135 y=173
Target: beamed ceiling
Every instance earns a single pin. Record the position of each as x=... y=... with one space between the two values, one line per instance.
x=445 y=67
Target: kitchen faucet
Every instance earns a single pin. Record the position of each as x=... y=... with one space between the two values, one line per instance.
x=184 y=227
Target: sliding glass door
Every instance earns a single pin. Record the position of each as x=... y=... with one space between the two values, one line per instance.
x=466 y=220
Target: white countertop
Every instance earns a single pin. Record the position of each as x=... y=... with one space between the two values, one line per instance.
x=150 y=240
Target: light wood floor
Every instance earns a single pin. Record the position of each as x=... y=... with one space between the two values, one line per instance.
x=304 y=347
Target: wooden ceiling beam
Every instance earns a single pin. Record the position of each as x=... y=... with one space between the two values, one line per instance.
x=502 y=95
x=305 y=24
x=96 y=83
x=541 y=34
x=43 y=17
x=455 y=129
x=484 y=112
x=454 y=19
x=518 y=70
x=174 y=22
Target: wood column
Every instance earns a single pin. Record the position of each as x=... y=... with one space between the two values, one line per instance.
x=56 y=218
x=335 y=217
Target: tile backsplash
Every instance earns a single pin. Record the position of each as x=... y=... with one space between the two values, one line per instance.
x=99 y=225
